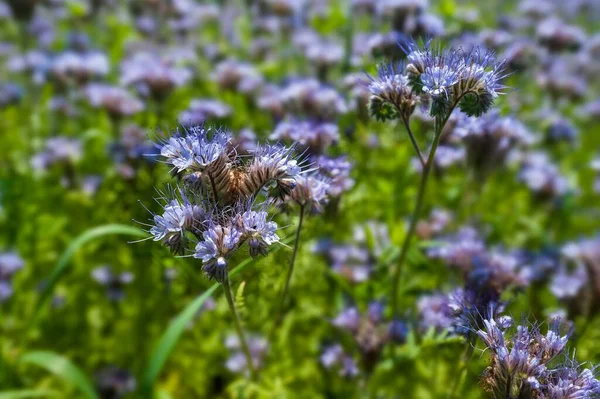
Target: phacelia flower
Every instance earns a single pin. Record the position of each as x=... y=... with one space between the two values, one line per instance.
x=259 y=230
x=177 y=219
x=216 y=212
x=451 y=78
x=195 y=148
x=310 y=192
x=522 y=363
x=391 y=94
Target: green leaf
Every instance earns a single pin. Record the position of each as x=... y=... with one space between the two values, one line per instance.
x=169 y=339
x=63 y=262
x=240 y=303
x=27 y=393
x=63 y=368
x=167 y=342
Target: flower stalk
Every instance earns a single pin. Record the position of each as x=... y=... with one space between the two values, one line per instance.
x=238 y=328
x=396 y=278
x=290 y=272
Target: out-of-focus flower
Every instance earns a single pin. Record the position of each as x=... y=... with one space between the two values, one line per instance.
x=35 y=63
x=334 y=358
x=79 y=67
x=437 y=222
x=114 y=283
x=202 y=110
x=132 y=150
x=315 y=136
x=117 y=101
x=236 y=363
x=561 y=79
x=58 y=150
x=577 y=281
x=10 y=94
x=460 y=249
x=595 y=165
x=435 y=312
x=489 y=140
x=158 y=75
x=10 y=263
x=115 y=383
x=355 y=261
x=237 y=76
x=311 y=98
x=337 y=171
x=543 y=177
x=90 y=184
x=558 y=36
x=560 y=129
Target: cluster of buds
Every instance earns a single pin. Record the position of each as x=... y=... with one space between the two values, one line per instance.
x=216 y=207
x=443 y=79
x=521 y=366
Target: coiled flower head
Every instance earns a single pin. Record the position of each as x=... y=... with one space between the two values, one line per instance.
x=451 y=78
x=391 y=95
x=217 y=210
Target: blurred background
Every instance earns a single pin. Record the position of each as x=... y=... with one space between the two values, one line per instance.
x=86 y=86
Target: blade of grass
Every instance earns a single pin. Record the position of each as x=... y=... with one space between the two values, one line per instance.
x=63 y=368
x=27 y=393
x=63 y=263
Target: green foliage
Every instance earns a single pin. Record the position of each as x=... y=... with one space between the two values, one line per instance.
x=63 y=368
x=63 y=262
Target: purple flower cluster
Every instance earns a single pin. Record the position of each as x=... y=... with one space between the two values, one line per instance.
x=448 y=79
x=522 y=363
x=370 y=331
x=355 y=261
x=215 y=210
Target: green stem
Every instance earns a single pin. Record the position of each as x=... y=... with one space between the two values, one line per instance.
x=411 y=136
x=238 y=328
x=439 y=123
x=288 y=279
x=462 y=371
